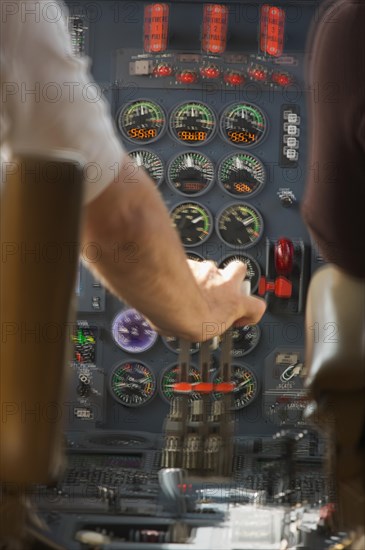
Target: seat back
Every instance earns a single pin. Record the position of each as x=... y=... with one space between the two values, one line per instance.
x=41 y=203
x=335 y=378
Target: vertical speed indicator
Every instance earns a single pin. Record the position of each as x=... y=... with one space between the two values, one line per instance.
x=243 y=124
x=141 y=121
x=193 y=123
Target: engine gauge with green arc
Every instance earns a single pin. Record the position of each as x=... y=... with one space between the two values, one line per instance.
x=141 y=121
x=190 y=173
x=240 y=225
x=243 y=124
x=241 y=175
x=193 y=221
x=132 y=383
x=170 y=377
x=193 y=123
x=245 y=384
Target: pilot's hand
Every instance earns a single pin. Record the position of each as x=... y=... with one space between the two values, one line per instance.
x=226 y=302
x=223 y=302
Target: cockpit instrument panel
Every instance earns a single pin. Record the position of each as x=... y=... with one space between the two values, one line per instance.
x=209 y=99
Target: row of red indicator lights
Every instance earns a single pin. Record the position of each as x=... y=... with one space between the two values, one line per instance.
x=232 y=78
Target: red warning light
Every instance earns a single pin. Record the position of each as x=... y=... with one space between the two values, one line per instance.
x=234 y=78
x=211 y=72
x=187 y=77
x=281 y=79
x=214 y=31
x=272 y=24
x=257 y=73
x=162 y=70
x=156 y=25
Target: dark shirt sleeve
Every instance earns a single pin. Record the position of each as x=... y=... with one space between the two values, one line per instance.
x=334 y=202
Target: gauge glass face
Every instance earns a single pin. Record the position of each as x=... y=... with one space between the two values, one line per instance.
x=244 y=340
x=173 y=344
x=170 y=377
x=245 y=386
x=192 y=123
x=193 y=222
x=132 y=384
x=132 y=333
x=240 y=225
x=191 y=173
x=243 y=124
x=150 y=162
x=253 y=273
x=142 y=121
x=241 y=175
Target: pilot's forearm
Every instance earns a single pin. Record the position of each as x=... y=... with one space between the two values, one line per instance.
x=142 y=259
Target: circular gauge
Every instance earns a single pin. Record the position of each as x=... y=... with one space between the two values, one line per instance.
x=190 y=173
x=245 y=386
x=132 y=383
x=141 y=121
x=244 y=340
x=169 y=378
x=243 y=124
x=241 y=175
x=240 y=225
x=173 y=344
x=193 y=221
x=253 y=269
x=195 y=257
x=150 y=162
x=132 y=333
x=193 y=123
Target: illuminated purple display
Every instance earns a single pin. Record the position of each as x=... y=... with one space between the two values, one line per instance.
x=132 y=333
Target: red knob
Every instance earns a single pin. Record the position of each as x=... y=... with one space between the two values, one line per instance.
x=283 y=287
x=203 y=387
x=224 y=387
x=284 y=255
x=182 y=387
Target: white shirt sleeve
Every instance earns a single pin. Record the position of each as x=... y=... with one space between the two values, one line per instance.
x=50 y=100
